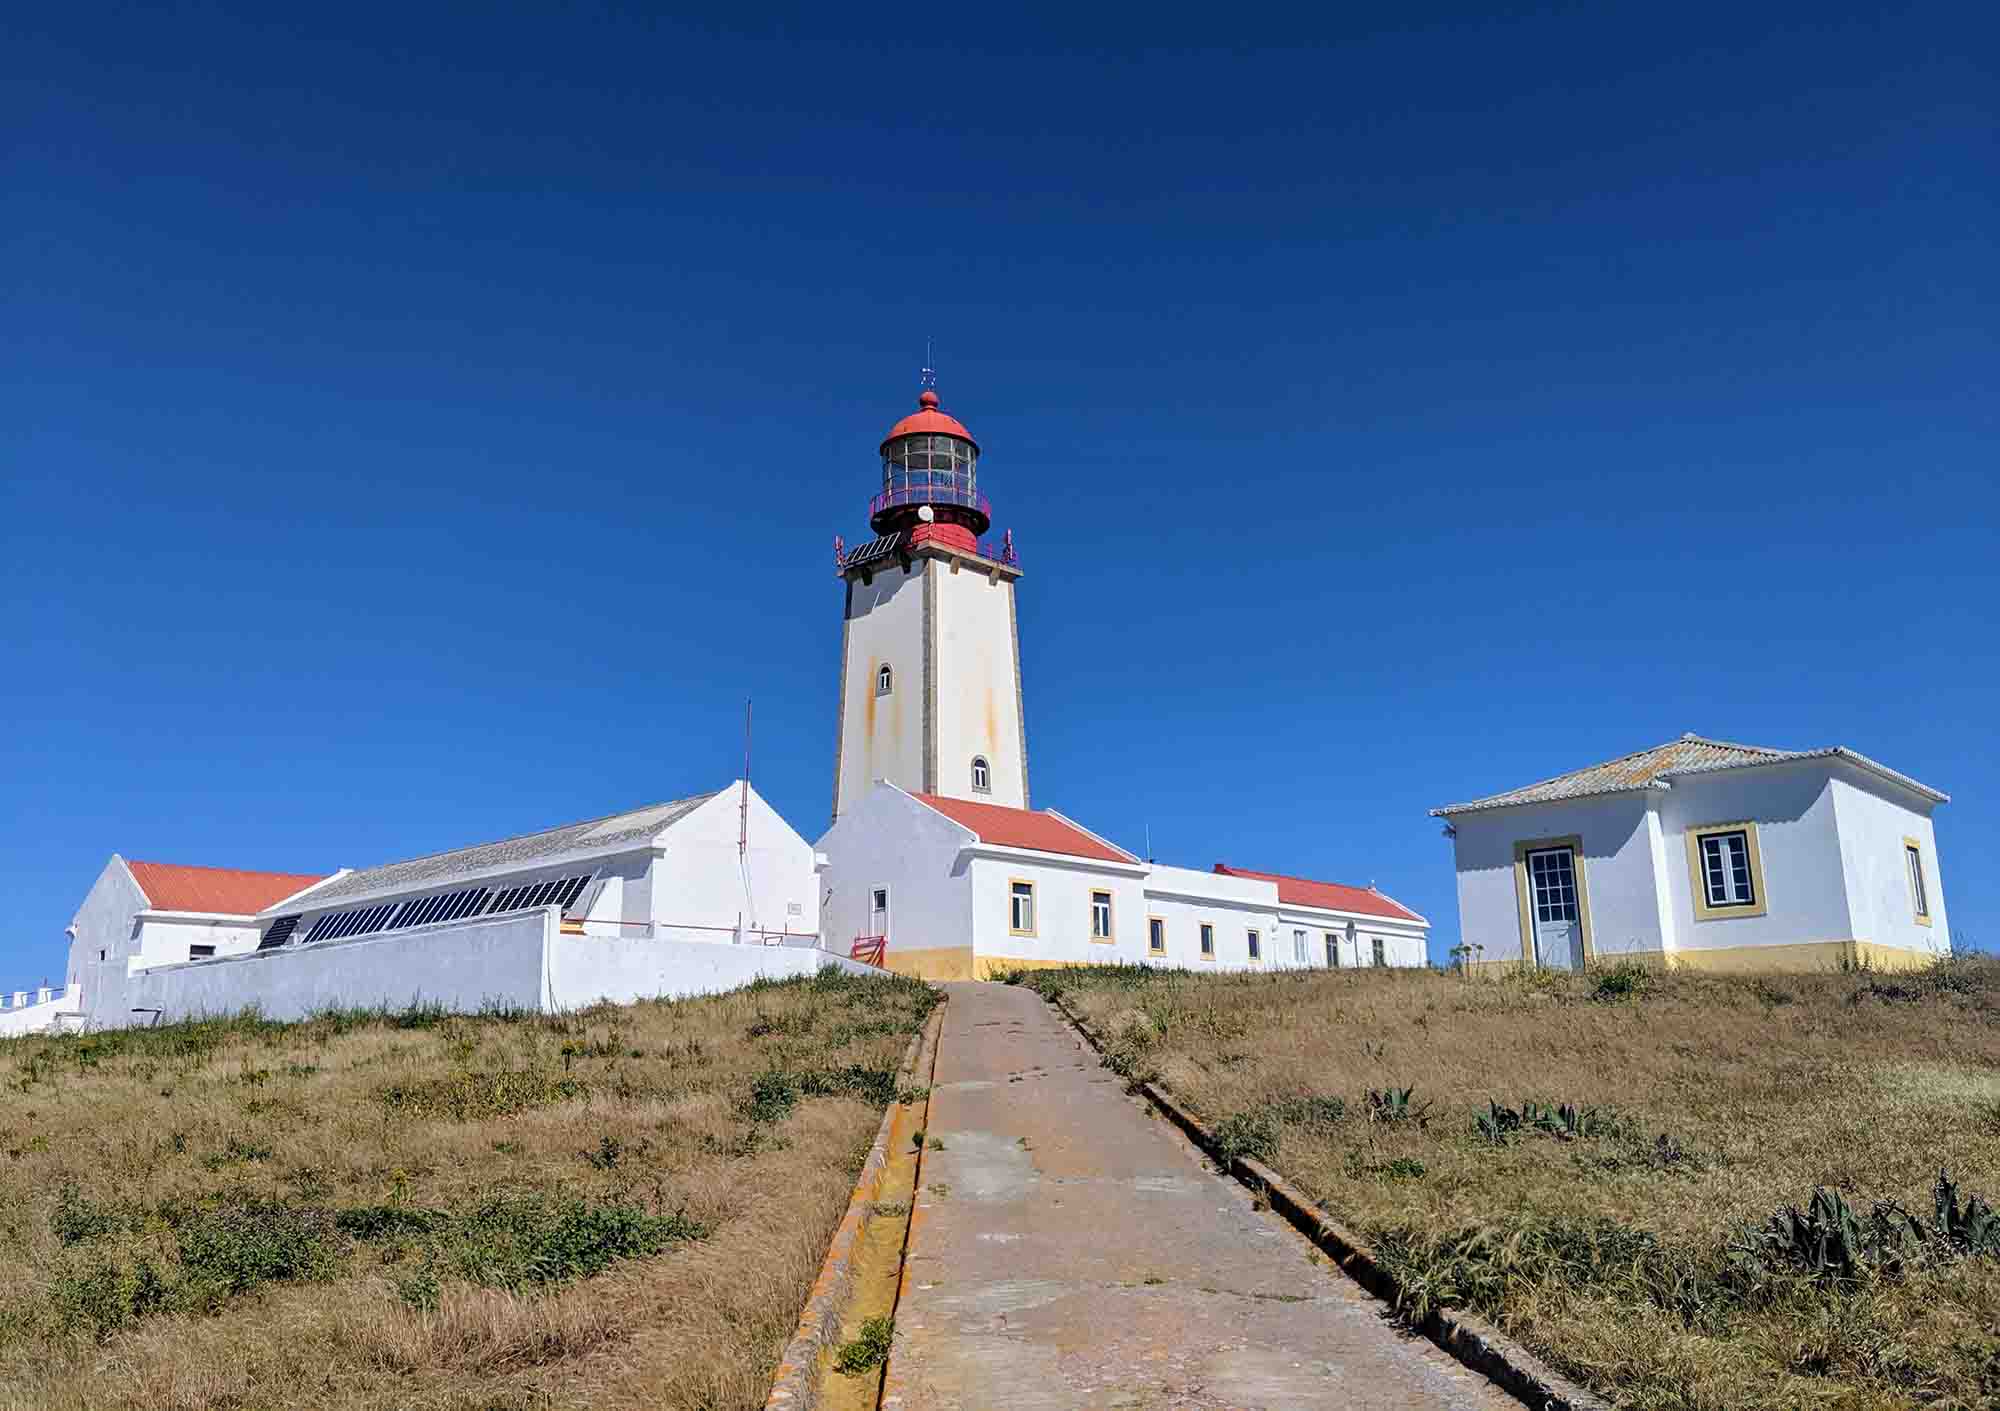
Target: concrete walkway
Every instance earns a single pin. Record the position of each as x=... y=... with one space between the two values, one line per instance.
x=1070 y=1250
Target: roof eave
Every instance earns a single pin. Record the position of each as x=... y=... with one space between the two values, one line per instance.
x=1498 y=802
x=447 y=880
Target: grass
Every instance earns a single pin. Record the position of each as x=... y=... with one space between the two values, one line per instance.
x=1685 y=1191
x=618 y=1208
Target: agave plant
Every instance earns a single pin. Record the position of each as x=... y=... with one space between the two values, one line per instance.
x=1394 y=1105
x=1971 y=1228
x=1496 y=1123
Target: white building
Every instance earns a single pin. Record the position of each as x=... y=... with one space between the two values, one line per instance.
x=695 y=895
x=933 y=845
x=957 y=889
x=1706 y=854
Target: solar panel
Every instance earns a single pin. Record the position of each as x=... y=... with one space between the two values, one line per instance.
x=422 y=911
x=874 y=549
x=279 y=933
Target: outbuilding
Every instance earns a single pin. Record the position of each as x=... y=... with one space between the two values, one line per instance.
x=1707 y=854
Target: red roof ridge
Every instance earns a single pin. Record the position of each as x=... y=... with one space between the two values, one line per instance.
x=1328 y=896
x=1039 y=830
x=226 y=891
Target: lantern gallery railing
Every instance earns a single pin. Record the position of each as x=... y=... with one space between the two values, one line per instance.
x=943 y=491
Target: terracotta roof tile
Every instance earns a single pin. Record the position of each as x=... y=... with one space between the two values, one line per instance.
x=1025 y=828
x=1330 y=896
x=230 y=891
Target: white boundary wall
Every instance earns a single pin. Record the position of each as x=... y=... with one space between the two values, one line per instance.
x=522 y=961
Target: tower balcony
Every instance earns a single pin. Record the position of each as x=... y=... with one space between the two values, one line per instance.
x=934 y=489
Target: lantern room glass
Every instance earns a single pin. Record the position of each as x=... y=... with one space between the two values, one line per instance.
x=945 y=466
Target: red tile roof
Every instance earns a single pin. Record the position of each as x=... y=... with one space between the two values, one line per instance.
x=1332 y=896
x=1024 y=828
x=171 y=886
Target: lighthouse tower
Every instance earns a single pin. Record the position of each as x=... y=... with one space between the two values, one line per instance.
x=930 y=659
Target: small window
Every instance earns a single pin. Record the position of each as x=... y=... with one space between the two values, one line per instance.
x=1207 y=941
x=885 y=679
x=982 y=777
x=1100 y=916
x=200 y=952
x=1920 y=897
x=100 y=955
x=1725 y=871
x=1375 y=950
x=878 y=912
x=1332 y=951
x=1256 y=952
x=1299 y=947
x=1021 y=912
x=1156 y=935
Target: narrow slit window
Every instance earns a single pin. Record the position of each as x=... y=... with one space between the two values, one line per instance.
x=1920 y=899
x=1256 y=945
x=1375 y=951
x=1207 y=941
x=1156 y=935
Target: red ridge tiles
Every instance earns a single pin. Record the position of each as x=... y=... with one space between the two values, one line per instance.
x=1024 y=828
x=171 y=886
x=1331 y=896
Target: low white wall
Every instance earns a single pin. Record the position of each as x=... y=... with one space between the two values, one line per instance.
x=584 y=970
x=461 y=966
x=44 y=1016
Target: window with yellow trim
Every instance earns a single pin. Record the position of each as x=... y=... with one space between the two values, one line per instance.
x=1725 y=871
x=1256 y=945
x=1100 y=916
x=1920 y=896
x=1156 y=935
x=1021 y=908
x=1207 y=941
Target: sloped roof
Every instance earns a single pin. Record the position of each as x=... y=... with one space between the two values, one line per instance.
x=1655 y=768
x=229 y=891
x=1025 y=828
x=592 y=835
x=1328 y=896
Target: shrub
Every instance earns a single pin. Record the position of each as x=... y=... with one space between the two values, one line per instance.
x=468 y=1097
x=527 y=1241
x=1628 y=979
x=1253 y=1134
x=869 y=1350
x=250 y=1241
x=77 y=1219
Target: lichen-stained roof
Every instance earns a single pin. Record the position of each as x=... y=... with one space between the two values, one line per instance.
x=604 y=835
x=1656 y=768
x=1327 y=896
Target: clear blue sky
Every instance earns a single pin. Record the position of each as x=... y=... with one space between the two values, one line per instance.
x=428 y=423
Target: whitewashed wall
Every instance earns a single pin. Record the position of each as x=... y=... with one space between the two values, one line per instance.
x=1873 y=818
x=978 y=709
x=1618 y=861
x=104 y=924
x=584 y=970
x=1062 y=908
x=701 y=885
x=887 y=839
x=1185 y=897
x=165 y=938
x=882 y=737
x=1805 y=892
x=61 y=1010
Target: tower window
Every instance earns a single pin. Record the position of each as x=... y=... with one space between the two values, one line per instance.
x=982 y=777
x=885 y=679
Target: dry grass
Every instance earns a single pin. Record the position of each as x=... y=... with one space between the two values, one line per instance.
x=620 y=1208
x=1719 y=1101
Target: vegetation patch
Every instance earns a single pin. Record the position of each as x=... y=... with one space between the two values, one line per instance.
x=1720 y=1192
x=409 y=1207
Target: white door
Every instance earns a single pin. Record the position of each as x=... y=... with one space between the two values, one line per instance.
x=1552 y=896
x=878 y=912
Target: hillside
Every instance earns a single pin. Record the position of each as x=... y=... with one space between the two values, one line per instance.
x=1621 y=1169
x=623 y=1207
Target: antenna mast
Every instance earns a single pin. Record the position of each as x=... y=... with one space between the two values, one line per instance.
x=743 y=806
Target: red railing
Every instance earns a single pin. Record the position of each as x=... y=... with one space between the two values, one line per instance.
x=868 y=949
x=946 y=494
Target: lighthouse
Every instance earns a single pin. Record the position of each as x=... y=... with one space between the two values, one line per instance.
x=930 y=660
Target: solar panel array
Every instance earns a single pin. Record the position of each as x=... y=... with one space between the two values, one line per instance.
x=421 y=911
x=874 y=549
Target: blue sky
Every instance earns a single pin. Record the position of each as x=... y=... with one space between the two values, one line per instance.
x=427 y=424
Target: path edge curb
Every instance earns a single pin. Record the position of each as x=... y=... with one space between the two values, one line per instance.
x=795 y=1383
x=1472 y=1340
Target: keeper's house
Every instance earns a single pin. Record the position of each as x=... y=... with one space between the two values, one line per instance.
x=956 y=889
x=1706 y=854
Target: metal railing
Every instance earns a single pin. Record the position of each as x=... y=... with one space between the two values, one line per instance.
x=947 y=493
x=868 y=949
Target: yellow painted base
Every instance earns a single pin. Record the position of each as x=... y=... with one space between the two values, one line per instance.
x=993 y=966
x=1809 y=955
x=937 y=963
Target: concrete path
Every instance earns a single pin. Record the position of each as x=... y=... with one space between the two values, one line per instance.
x=1070 y=1250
